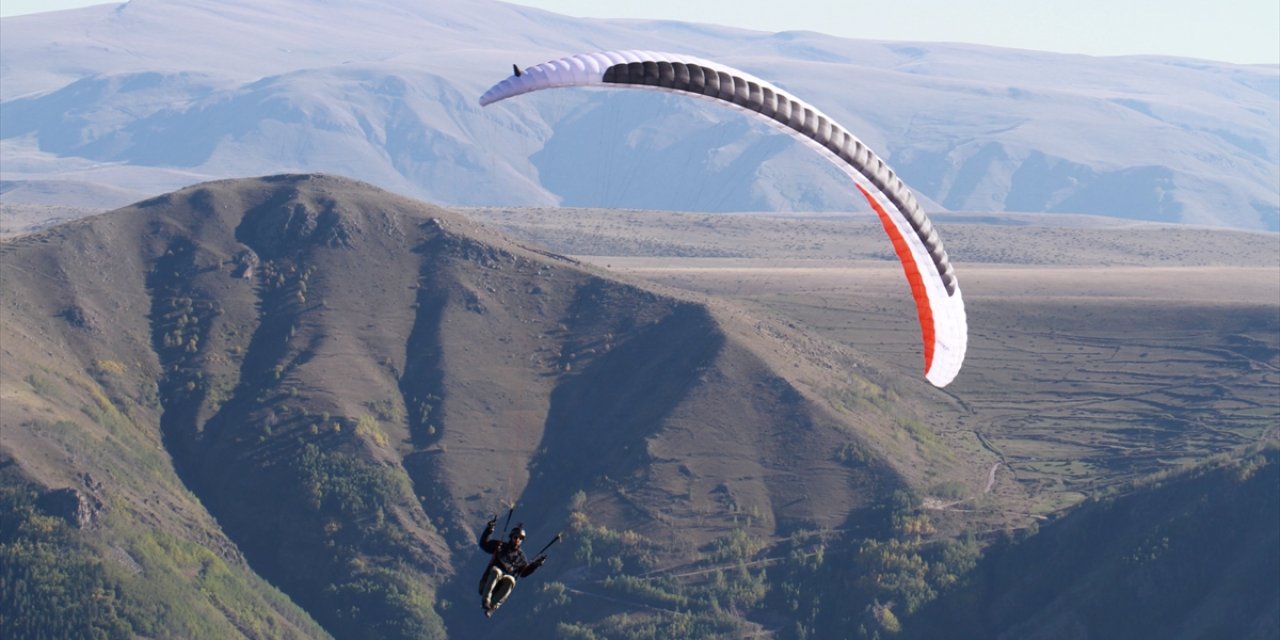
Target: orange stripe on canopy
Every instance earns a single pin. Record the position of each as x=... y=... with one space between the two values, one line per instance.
x=913 y=276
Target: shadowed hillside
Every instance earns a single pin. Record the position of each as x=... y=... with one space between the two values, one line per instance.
x=306 y=384
x=1186 y=556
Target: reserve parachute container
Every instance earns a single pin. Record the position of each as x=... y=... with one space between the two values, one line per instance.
x=929 y=272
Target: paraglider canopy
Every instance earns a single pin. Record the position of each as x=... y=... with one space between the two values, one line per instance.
x=932 y=279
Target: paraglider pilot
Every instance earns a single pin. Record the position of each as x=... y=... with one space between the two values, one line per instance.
x=506 y=565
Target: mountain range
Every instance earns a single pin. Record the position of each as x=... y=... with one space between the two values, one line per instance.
x=105 y=105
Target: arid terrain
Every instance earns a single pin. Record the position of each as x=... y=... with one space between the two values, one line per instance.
x=1100 y=350
x=283 y=407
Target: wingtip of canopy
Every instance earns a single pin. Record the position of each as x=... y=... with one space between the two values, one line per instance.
x=940 y=380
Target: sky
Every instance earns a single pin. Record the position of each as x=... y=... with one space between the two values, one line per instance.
x=1241 y=31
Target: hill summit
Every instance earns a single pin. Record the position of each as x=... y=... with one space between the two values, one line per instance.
x=303 y=382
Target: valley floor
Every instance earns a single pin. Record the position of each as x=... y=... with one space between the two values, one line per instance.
x=1078 y=378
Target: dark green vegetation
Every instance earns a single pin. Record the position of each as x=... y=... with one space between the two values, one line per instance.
x=51 y=585
x=283 y=407
x=810 y=584
x=67 y=571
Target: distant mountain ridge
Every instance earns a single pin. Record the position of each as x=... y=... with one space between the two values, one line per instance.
x=157 y=94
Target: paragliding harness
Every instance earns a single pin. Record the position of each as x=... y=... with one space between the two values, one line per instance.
x=506 y=564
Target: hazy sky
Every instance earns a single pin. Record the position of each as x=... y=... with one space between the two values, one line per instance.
x=1246 y=31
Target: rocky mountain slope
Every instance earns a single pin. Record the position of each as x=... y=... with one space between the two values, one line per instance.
x=307 y=384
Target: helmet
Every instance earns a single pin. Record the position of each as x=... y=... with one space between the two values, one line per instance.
x=518 y=532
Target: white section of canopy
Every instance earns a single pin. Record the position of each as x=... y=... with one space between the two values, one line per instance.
x=945 y=311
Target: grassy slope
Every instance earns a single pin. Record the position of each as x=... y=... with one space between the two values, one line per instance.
x=384 y=377
x=81 y=410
